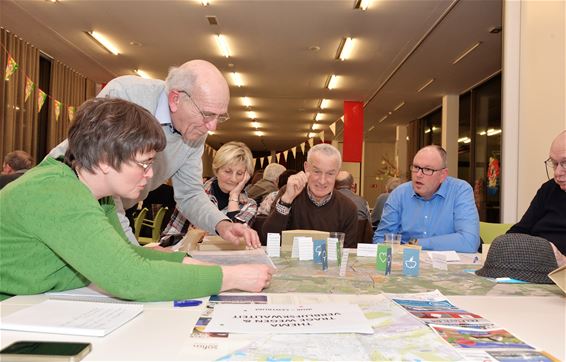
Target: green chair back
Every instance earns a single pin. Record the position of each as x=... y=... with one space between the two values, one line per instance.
x=138 y=222
x=155 y=226
x=489 y=231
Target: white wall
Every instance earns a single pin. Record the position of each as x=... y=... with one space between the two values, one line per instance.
x=534 y=64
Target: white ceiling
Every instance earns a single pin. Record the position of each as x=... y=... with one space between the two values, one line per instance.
x=399 y=46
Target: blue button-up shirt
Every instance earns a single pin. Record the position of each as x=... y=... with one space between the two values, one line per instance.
x=448 y=221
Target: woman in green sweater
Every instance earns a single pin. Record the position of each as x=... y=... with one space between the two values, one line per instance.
x=59 y=229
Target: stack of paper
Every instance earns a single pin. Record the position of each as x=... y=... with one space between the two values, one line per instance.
x=71 y=317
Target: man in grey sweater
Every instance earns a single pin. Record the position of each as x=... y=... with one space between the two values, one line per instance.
x=192 y=101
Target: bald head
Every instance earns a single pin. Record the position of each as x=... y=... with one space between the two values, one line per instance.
x=344 y=180
x=199 y=76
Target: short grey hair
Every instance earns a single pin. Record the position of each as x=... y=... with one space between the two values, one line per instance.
x=273 y=171
x=180 y=78
x=327 y=150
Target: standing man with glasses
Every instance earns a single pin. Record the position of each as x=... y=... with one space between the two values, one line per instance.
x=434 y=210
x=192 y=101
x=546 y=215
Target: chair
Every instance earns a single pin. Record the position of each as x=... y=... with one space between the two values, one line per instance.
x=138 y=220
x=155 y=226
x=489 y=231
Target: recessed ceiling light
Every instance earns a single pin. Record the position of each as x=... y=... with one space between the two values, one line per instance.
x=345 y=48
x=362 y=4
x=466 y=52
x=223 y=45
x=135 y=43
x=318 y=117
x=259 y=133
x=252 y=115
x=237 y=79
x=332 y=81
x=103 y=41
x=205 y=2
x=255 y=125
x=324 y=103
x=142 y=74
x=429 y=82
x=246 y=102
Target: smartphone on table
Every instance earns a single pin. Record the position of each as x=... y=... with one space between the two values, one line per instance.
x=45 y=351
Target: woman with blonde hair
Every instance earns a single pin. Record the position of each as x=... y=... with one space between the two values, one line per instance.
x=232 y=167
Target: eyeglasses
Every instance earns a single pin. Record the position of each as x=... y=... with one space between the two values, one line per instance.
x=425 y=170
x=550 y=163
x=144 y=164
x=207 y=116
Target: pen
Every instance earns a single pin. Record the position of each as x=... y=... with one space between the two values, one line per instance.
x=187 y=303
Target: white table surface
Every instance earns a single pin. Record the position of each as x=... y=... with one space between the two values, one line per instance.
x=162 y=332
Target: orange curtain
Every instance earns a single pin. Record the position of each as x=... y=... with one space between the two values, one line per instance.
x=18 y=117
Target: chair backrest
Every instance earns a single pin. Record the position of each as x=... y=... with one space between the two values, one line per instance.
x=156 y=232
x=138 y=221
x=489 y=231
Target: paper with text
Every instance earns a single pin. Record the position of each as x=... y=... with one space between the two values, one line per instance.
x=71 y=317
x=289 y=318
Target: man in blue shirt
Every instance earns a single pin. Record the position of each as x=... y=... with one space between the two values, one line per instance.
x=434 y=210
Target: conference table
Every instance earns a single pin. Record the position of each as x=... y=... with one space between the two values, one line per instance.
x=535 y=314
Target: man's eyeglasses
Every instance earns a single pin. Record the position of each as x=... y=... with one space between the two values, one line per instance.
x=208 y=116
x=425 y=170
x=144 y=164
x=550 y=163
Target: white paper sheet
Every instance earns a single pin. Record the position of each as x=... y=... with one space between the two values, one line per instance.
x=289 y=318
x=367 y=250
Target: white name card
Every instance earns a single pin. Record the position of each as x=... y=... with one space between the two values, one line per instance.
x=305 y=248
x=367 y=250
x=274 y=245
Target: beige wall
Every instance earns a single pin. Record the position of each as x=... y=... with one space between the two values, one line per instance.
x=373 y=156
x=534 y=107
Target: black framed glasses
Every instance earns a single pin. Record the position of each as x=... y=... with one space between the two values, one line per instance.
x=425 y=170
x=207 y=116
x=552 y=164
x=144 y=164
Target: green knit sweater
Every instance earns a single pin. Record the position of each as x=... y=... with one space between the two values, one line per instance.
x=55 y=236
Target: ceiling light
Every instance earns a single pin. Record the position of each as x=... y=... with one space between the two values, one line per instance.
x=324 y=103
x=493 y=132
x=210 y=133
x=237 y=79
x=318 y=117
x=246 y=101
x=383 y=119
x=399 y=106
x=331 y=81
x=362 y=4
x=312 y=135
x=223 y=45
x=316 y=126
x=464 y=140
x=371 y=128
x=466 y=52
x=255 y=125
x=345 y=48
x=142 y=74
x=425 y=85
x=259 y=133
x=252 y=115
x=101 y=40
x=205 y=2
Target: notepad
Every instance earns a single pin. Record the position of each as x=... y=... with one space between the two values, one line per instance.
x=71 y=317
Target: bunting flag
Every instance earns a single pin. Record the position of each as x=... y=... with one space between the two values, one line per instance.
x=11 y=67
x=294 y=151
x=321 y=135
x=262 y=161
x=353 y=131
x=333 y=128
x=303 y=147
x=285 y=153
x=71 y=110
x=342 y=119
x=311 y=142
x=41 y=97
x=269 y=158
x=57 y=107
x=30 y=86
